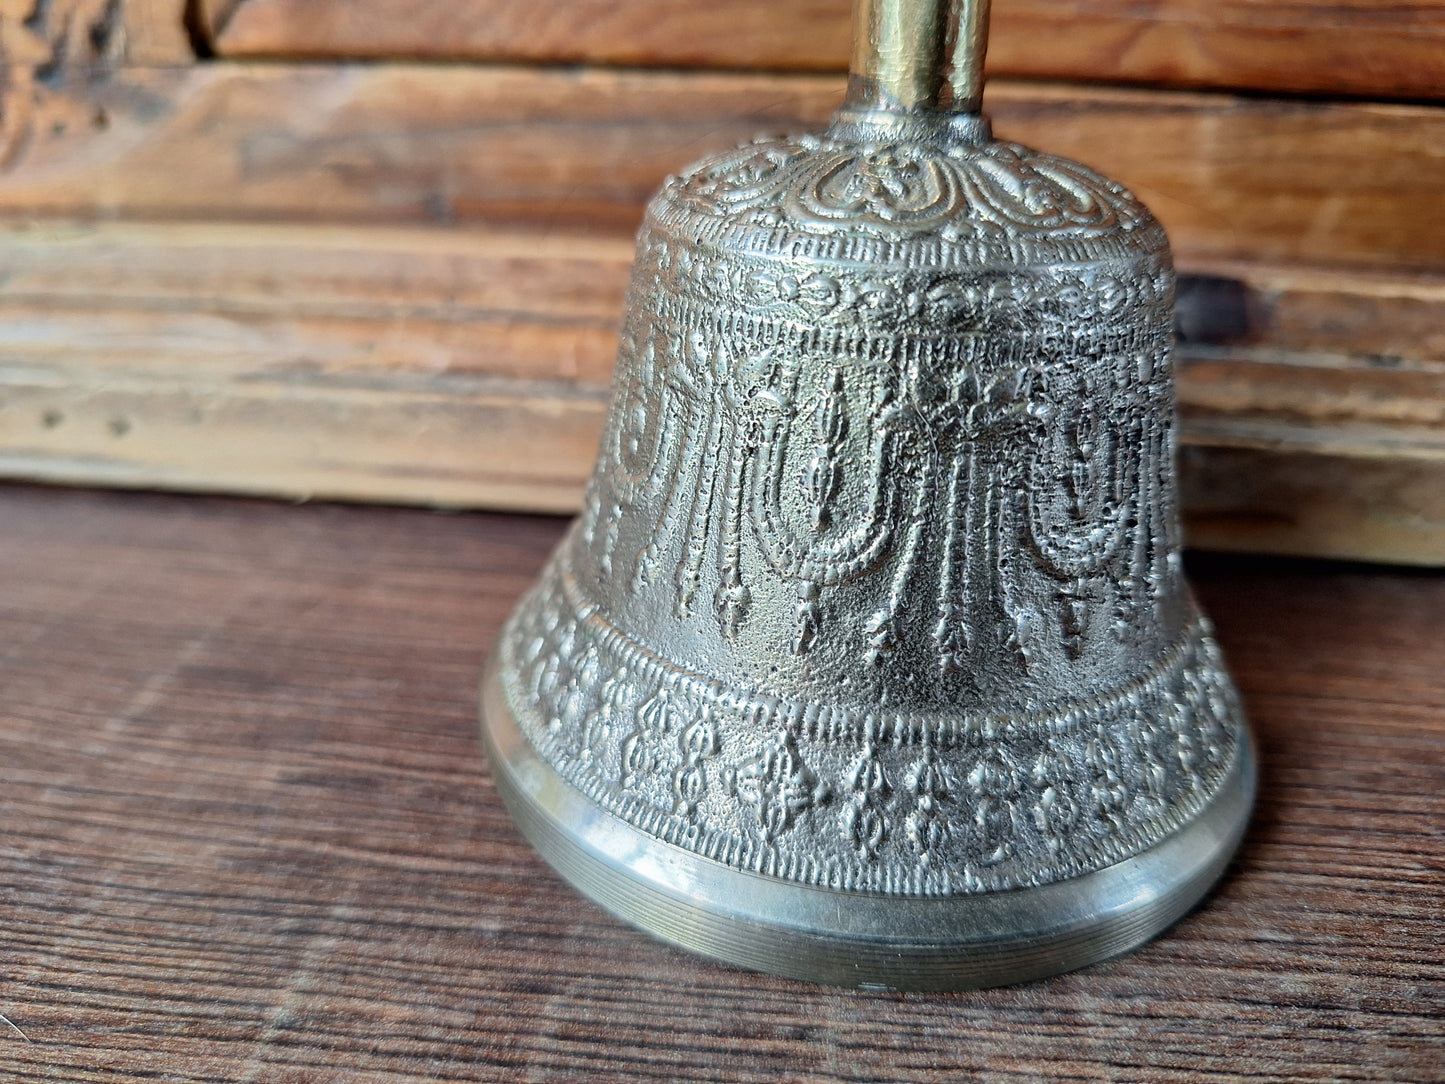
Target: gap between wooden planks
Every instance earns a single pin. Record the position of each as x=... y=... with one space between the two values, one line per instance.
x=469 y=368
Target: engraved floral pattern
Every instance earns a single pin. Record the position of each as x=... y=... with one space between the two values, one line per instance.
x=905 y=806
x=865 y=817
x=898 y=186
x=900 y=496
x=776 y=784
x=981 y=194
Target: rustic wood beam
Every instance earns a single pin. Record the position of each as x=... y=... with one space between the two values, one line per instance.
x=469 y=368
x=1350 y=48
x=1266 y=180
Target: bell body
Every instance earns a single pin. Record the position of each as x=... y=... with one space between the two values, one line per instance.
x=870 y=659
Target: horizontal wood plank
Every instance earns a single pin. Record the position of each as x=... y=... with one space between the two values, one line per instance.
x=1266 y=498
x=1351 y=48
x=398 y=299
x=1263 y=180
x=250 y=836
x=470 y=368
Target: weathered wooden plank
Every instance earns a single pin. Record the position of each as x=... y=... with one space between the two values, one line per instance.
x=776 y=35
x=544 y=305
x=1265 y=499
x=1252 y=310
x=1385 y=320
x=269 y=302
x=429 y=366
x=509 y=447
x=470 y=368
x=1270 y=180
x=1356 y=47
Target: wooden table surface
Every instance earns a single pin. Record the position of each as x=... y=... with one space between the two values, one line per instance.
x=248 y=835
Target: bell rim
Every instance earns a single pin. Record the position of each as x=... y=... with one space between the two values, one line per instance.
x=846 y=937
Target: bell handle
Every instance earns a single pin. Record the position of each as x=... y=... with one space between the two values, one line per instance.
x=918 y=55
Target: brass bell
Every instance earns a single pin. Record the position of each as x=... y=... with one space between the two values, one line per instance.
x=870 y=659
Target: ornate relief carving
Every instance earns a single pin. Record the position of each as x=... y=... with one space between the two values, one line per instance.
x=999 y=202
x=942 y=450
x=776 y=786
x=896 y=801
x=878 y=585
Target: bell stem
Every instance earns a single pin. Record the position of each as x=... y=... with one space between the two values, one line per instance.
x=905 y=52
x=970 y=43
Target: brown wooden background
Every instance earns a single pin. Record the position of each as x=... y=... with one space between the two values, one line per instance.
x=375 y=249
x=247 y=834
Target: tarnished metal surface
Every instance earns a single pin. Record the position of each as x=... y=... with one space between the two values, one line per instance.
x=877 y=590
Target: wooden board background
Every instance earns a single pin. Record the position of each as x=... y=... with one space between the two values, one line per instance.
x=400 y=280
x=1330 y=183
x=1356 y=47
x=470 y=366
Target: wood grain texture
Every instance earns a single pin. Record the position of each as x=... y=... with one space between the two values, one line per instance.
x=427 y=366
x=1253 y=179
x=249 y=836
x=1276 y=499
x=1354 y=48
x=73 y=38
x=470 y=368
x=61 y=62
